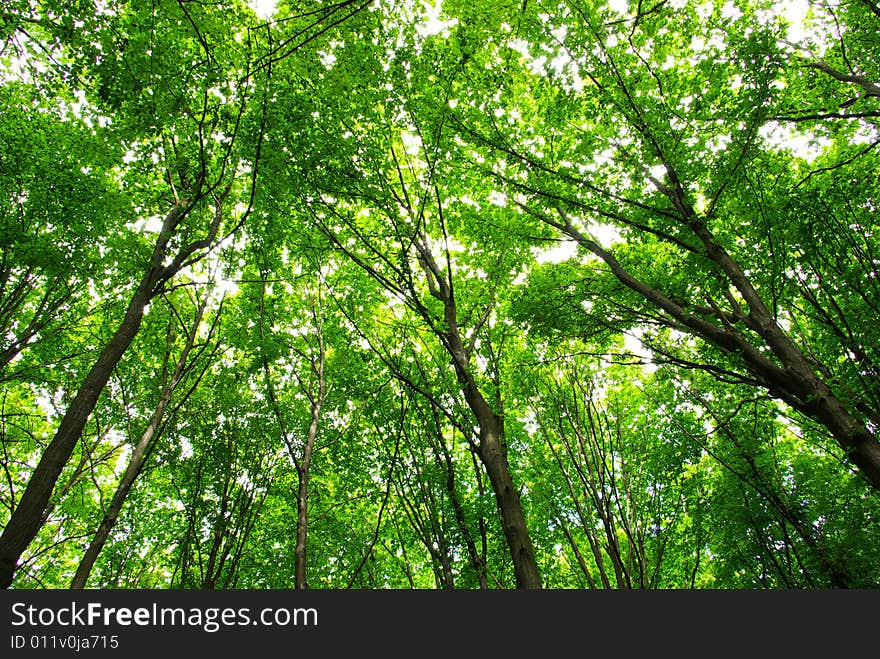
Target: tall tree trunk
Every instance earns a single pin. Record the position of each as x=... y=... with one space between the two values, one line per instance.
x=490 y=451
x=122 y=489
x=316 y=392
x=491 y=447
x=137 y=458
x=27 y=518
x=216 y=556
x=513 y=519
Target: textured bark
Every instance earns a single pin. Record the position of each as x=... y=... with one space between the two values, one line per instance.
x=27 y=519
x=135 y=463
x=490 y=450
x=513 y=520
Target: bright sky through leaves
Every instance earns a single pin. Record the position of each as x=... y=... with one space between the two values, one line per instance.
x=410 y=294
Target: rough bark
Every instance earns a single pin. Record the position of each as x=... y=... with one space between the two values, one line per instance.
x=490 y=449
x=135 y=463
x=27 y=519
x=513 y=520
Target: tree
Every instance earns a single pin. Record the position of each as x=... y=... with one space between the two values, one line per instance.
x=557 y=293
x=685 y=173
x=173 y=373
x=196 y=214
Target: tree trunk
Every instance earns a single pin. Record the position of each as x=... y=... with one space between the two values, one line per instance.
x=513 y=519
x=494 y=459
x=137 y=458
x=122 y=490
x=316 y=393
x=793 y=382
x=27 y=518
x=490 y=450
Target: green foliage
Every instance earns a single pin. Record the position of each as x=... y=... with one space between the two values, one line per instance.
x=377 y=209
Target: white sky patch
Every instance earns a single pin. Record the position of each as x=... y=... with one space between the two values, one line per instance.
x=632 y=343
x=148 y=225
x=795 y=13
x=454 y=246
x=705 y=10
x=805 y=146
x=560 y=252
x=263 y=8
x=658 y=172
x=395 y=302
x=124 y=456
x=521 y=46
x=604 y=234
x=731 y=11
x=412 y=143
x=538 y=66
x=498 y=198
x=431 y=22
x=328 y=57
x=227 y=287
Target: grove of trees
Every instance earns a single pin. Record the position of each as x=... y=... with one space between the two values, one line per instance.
x=478 y=294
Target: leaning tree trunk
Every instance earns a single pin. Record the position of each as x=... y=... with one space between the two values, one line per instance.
x=791 y=380
x=137 y=459
x=27 y=518
x=513 y=519
x=490 y=450
x=131 y=473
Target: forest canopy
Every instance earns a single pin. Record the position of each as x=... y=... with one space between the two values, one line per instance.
x=476 y=294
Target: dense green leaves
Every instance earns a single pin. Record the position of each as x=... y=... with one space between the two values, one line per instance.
x=552 y=293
